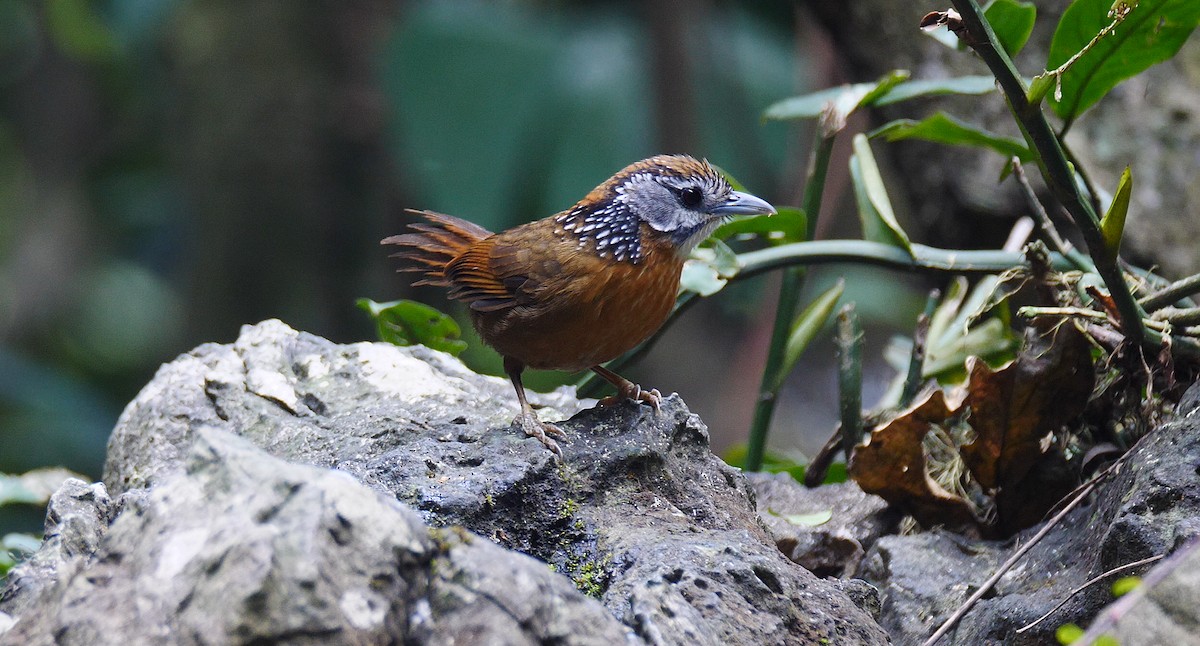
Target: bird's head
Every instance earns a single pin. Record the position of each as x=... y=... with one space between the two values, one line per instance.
x=678 y=196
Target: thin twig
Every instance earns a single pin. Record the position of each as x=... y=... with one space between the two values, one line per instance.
x=1179 y=317
x=818 y=467
x=1089 y=583
x=1172 y=293
x=1105 y=336
x=1021 y=551
x=1030 y=311
x=1039 y=211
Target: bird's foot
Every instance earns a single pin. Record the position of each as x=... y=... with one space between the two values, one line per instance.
x=528 y=422
x=634 y=392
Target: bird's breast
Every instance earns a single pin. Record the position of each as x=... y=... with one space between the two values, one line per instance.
x=593 y=311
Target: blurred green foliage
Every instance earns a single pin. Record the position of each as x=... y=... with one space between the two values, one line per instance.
x=504 y=114
x=32 y=491
x=171 y=169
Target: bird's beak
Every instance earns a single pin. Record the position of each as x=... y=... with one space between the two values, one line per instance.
x=740 y=203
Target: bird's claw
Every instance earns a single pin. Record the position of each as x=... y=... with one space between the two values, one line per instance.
x=542 y=431
x=635 y=393
x=654 y=398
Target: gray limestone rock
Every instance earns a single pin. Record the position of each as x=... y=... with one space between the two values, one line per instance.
x=831 y=548
x=77 y=517
x=1164 y=609
x=248 y=471
x=241 y=547
x=286 y=489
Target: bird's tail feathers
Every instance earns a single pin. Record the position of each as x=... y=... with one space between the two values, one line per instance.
x=438 y=240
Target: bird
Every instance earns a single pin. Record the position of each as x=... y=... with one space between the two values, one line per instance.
x=581 y=287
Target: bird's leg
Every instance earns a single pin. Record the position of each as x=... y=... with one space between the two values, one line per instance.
x=528 y=420
x=627 y=390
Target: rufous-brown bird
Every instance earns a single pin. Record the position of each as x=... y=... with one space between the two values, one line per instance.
x=579 y=288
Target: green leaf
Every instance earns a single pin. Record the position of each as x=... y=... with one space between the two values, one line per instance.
x=1125 y=585
x=1012 y=21
x=405 y=322
x=805 y=520
x=1152 y=32
x=1068 y=633
x=809 y=106
x=13 y=492
x=1040 y=86
x=884 y=85
x=944 y=129
x=844 y=99
x=969 y=307
x=700 y=277
x=990 y=340
x=788 y=225
x=1112 y=225
x=34 y=487
x=959 y=85
x=21 y=543
x=947 y=310
x=735 y=456
x=15 y=548
x=952 y=338
x=874 y=208
x=724 y=259
x=709 y=268
x=806 y=326
x=837 y=473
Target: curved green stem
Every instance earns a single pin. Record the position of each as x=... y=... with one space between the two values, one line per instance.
x=1093 y=195
x=916 y=358
x=849 y=340
x=754 y=263
x=923 y=258
x=785 y=311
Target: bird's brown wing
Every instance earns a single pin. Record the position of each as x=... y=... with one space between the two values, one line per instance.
x=508 y=269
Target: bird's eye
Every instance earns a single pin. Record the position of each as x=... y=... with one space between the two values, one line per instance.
x=691 y=197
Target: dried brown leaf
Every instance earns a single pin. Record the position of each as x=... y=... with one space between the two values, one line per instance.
x=1015 y=408
x=891 y=464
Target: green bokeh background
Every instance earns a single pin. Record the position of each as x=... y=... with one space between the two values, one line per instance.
x=173 y=169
